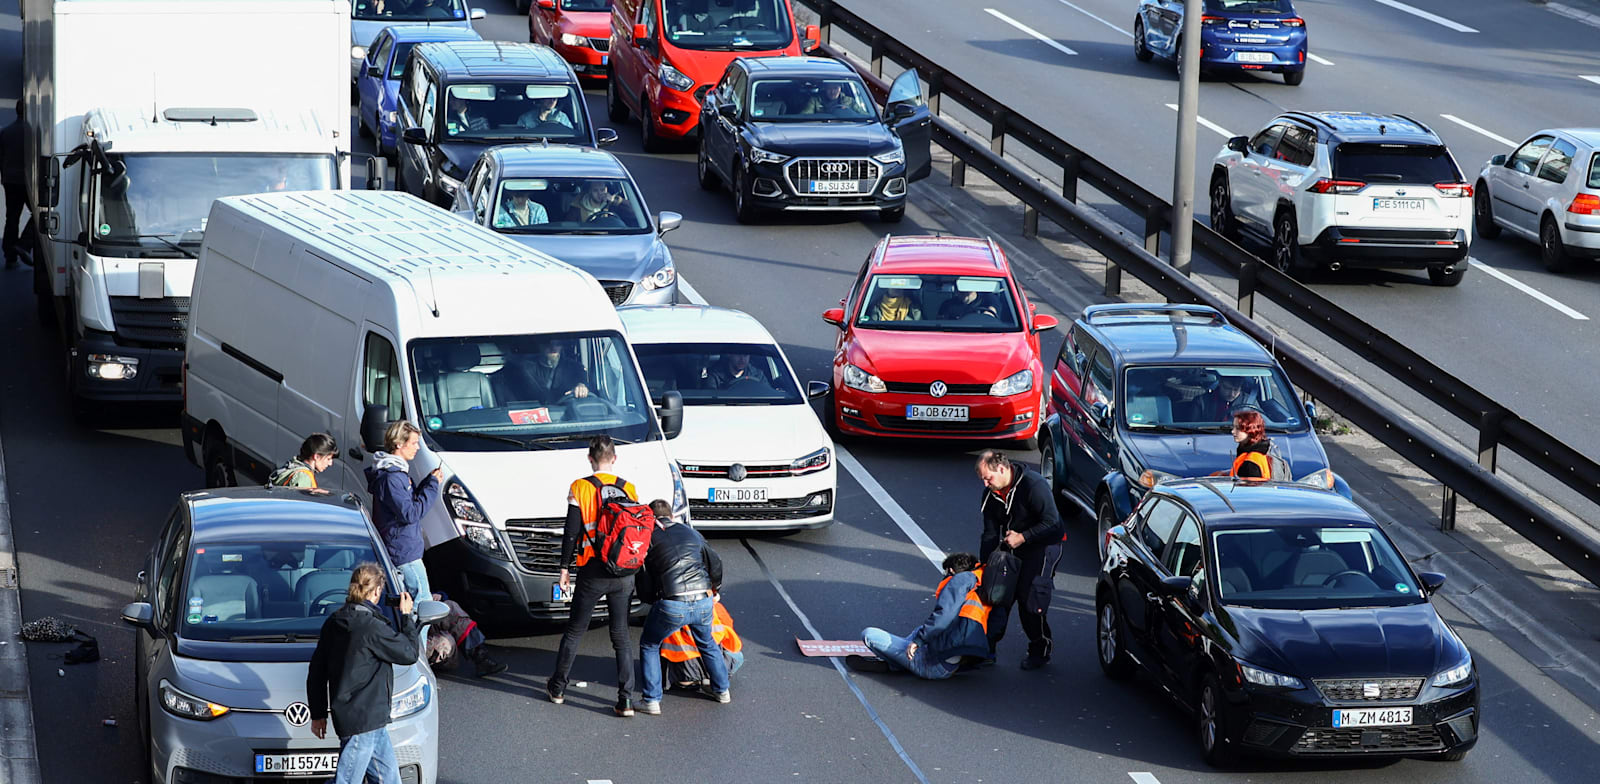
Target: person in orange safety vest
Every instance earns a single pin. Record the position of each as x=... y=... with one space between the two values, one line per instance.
x=958 y=628
x=681 y=655
x=1250 y=433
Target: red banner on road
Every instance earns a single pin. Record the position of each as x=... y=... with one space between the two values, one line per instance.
x=833 y=648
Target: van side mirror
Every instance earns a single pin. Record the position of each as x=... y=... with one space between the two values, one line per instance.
x=811 y=38
x=605 y=137
x=1498 y=160
x=671 y=414
x=834 y=316
x=667 y=221
x=49 y=180
x=377 y=168
x=640 y=34
x=374 y=72
x=374 y=420
x=414 y=136
x=1239 y=144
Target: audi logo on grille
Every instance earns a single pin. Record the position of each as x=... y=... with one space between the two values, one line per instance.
x=298 y=714
x=938 y=389
x=835 y=168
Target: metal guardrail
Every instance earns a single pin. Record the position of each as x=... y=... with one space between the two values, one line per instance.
x=1577 y=547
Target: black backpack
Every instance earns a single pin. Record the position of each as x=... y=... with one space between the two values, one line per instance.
x=1000 y=574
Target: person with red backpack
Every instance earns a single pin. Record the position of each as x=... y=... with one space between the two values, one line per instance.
x=608 y=536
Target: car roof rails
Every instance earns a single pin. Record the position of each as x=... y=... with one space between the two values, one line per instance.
x=994 y=252
x=1310 y=118
x=1137 y=313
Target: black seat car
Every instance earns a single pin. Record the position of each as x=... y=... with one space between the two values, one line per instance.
x=803 y=133
x=1285 y=620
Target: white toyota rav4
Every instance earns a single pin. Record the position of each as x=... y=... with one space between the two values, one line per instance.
x=753 y=454
x=1351 y=189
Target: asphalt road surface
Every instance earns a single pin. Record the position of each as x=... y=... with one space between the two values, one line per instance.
x=86 y=504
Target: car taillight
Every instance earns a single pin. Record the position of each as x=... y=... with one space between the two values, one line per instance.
x=1326 y=185
x=1459 y=190
x=1213 y=20
x=1584 y=204
x=1292 y=22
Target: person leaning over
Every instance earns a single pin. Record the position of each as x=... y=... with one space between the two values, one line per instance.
x=398 y=506
x=957 y=628
x=316 y=455
x=578 y=544
x=1019 y=513
x=681 y=577
x=352 y=677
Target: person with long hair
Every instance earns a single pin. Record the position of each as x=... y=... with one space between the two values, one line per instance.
x=1250 y=433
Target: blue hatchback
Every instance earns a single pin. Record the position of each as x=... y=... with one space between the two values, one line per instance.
x=379 y=81
x=1235 y=35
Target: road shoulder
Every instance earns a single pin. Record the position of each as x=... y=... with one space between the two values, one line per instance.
x=19 y=756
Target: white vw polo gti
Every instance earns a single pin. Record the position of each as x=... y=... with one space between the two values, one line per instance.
x=753 y=454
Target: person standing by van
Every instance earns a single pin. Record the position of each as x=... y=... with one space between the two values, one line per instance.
x=593 y=581
x=13 y=171
x=316 y=455
x=398 y=505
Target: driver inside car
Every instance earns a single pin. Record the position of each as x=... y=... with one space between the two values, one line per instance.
x=518 y=210
x=544 y=112
x=548 y=376
x=460 y=119
x=834 y=99
x=732 y=369
x=597 y=200
x=971 y=305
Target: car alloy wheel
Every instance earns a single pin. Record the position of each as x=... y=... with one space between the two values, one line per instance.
x=1551 y=250
x=1222 y=221
x=1210 y=723
x=1114 y=661
x=1483 y=212
x=1141 y=49
x=1286 y=245
x=1105 y=520
x=744 y=207
x=702 y=164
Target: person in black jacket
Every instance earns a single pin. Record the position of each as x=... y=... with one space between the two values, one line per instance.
x=681 y=576
x=354 y=666
x=1019 y=513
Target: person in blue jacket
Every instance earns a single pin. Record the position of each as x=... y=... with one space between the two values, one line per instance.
x=957 y=629
x=398 y=506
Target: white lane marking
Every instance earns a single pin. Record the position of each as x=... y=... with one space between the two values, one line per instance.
x=1030 y=31
x=1587 y=78
x=862 y=476
x=1226 y=134
x=1435 y=18
x=1320 y=60
x=1469 y=126
x=1529 y=290
x=1592 y=20
x=1085 y=12
x=1144 y=778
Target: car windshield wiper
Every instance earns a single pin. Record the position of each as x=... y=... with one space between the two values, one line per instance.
x=277 y=637
x=124 y=240
x=490 y=437
x=1176 y=428
x=564 y=437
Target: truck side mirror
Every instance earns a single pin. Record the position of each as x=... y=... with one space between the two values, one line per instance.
x=49 y=180
x=671 y=414
x=374 y=420
x=377 y=167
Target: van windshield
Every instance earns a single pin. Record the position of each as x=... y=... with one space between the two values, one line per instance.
x=408 y=10
x=727 y=25
x=550 y=391
x=510 y=111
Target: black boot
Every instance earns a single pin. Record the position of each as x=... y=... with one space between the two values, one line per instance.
x=482 y=665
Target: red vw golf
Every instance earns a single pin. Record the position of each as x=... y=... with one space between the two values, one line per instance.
x=937 y=340
x=579 y=31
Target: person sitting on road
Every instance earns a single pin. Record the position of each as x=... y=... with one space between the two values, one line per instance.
x=895 y=305
x=833 y=98
x=733 y=369
x=596 y=201
x=684 y=668
x=456 y=635
x=958 y=628
x=518 y=210
x=317 y=454
x=544 y=113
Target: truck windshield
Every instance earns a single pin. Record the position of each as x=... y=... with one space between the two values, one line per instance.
x=550 y=391
x=727 y=25
x=408 y=10
x=149 y=200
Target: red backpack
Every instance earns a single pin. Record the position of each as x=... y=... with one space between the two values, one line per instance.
x=622 y=528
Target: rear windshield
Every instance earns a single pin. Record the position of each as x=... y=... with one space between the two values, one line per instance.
x=1409 y=163
x=1594 y=171
x=1251 y=6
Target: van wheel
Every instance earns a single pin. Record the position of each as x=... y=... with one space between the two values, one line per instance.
x=1483 y=212
x=615 y=109
x=1551 y=250
x=648 y=139
x=214 y=456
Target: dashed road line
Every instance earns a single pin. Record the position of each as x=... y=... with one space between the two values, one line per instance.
x=1529 y=290
x=1421 y=14
x=1144 y=778
x=1030 y=31
x=1226 y=134
x=1086 y=12
x=1317 y=59
x=1588 y=78
x=1592 y=20
x=1469 y=126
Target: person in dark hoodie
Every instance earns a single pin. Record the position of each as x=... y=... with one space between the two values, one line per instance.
x=398 y=506
x=1019 y=513
x=458 y=635
x=958 y=628
x=352 y=677
x=680 y=579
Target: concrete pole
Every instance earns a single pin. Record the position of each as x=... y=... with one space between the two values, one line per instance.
x=1183 y=166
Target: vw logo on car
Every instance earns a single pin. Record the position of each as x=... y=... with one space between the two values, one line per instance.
x=938 y=389
x=298 y=714
x=737 y=472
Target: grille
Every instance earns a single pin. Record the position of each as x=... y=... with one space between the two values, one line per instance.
x=150 y=323
x=922 y=389
x=1399 y=234
x=1350 y=689
x=972 y=425
x=1357 y=739
x=703 y=471
x=600 y=44
x=804 y=170
x=1264 y=733
x=780 y=509
x=618 y=291
x=537 y=543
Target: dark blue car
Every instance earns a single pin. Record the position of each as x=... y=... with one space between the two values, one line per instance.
x=1235 y=35
x=378 y=84
x=1144 y=393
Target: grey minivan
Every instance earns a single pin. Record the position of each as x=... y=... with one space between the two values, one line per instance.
x=228 y=609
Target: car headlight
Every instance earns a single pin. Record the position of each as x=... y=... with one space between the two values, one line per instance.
x=1268 y=678
x=812 y=463
x=659 y=279
x=1015 y=384
x=674 y=78
x=410 y=701
x=896 y=155
x=1153 y=478
x=856 y=378
x=758 y=155
x=189 y=706
x=1455 y=676
x=1323 y=479
x=680 y=496
x=358 y=52
x=574 y=40
x=470 y=520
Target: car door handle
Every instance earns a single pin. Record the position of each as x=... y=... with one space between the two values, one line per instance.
x=1525 y=186
x=140 y=577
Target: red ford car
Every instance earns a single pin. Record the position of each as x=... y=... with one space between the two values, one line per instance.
x=579 y=31
x=937 y=340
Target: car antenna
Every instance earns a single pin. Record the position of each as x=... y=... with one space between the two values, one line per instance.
x=155 y=110
x=1382 y=128
x=434 y=293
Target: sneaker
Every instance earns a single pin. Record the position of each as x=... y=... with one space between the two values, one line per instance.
x=484 y=666
x=866 y=664
x=1035 y=662
x=720 y=696
x=650 y=707
x=624 y=707
x=556 y=695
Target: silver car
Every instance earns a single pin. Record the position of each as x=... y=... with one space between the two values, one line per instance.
x=579 y=205
x=369 y=17
x=1548 y=191
x=228 y=609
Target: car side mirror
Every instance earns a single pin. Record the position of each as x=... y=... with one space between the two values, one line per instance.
x=1101 y=413
x=1311 y=411
x=374 y=72
x=816 y=389
x=605 y=137
x=834 y=316
x=377 y=169
x=667 y=221
x=1239 y=144
x=139 y=614
x=900 y=110
x=1498 y=160
x=414 y=136
x=476 y=14
x=811 y=39
x=429 y=611
x=1431 y=581
x=374 y=420
x=547 y=5
x=1176 y=586
x=640 y=35
x=728 y=110
x=1044 y=321
x=671 y=414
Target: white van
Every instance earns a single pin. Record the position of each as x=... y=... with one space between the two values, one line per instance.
x=340 y=311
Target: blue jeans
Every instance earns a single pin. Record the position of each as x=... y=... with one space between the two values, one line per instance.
x=892 y=649
x=668 y=616
x=416 y=577
x=369 y=754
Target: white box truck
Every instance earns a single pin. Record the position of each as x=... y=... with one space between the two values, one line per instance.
x=341 y=312
x=141 y=113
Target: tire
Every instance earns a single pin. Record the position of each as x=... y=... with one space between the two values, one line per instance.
x=1294 y=78
x=647 y=129
x=1211 y=725
x=1047 y=469
x=1141 y=50
x=616 y=110
x=214 y=458
x=1177 y=58
x=1222 y=219
x=1105 y=516
x=702 y=163
x=744 y=207
x=892 y=215
x=1108 y=636
x=1483 y=212
x=1286 y=254
x=1438 y=277
x=1551 y=250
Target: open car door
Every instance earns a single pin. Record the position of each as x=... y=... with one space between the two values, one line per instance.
x=906 y=110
